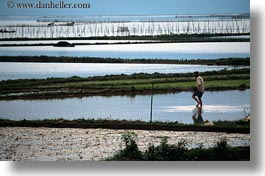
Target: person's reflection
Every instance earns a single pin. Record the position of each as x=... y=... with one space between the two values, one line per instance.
x=197 y=116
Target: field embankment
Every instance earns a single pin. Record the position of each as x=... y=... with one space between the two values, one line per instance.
x=121 y=85
x=239 y=126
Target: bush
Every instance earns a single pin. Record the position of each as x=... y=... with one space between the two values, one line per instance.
x=167 y=152
x=131 y=151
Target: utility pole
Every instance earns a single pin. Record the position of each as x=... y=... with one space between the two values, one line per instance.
x=151 y=112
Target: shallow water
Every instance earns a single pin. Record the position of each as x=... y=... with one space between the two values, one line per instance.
x=212 y=50
x=16 y=70
x=218 y=105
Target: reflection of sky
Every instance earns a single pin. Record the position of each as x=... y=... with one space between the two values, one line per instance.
x=207 y=108
x=135 y=7
x=220 y=105
x=10 y=70
x=136 y=51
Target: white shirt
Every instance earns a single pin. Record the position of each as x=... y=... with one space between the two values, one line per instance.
x=200 y=84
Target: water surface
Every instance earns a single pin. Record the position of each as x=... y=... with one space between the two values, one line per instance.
x=18 y=70
x=222 y=105
x=204 y=50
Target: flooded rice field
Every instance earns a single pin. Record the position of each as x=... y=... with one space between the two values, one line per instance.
x=57 y=144
x=218 y=105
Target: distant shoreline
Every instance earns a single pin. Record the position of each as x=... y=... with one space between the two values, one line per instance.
x=174 y=38
x=54 y=59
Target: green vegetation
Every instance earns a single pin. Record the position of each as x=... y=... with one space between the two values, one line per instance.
x=131 y=151
x=166 y=152
x=221 y=61
x=121 y=84
x=239 y=126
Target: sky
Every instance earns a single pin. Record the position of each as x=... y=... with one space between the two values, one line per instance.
x=131 y=7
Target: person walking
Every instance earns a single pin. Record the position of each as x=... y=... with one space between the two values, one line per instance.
x=198 y=90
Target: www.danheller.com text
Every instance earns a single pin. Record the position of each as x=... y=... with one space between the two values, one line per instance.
x=48 y=5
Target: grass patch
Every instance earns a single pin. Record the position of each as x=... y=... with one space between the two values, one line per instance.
x=122 y=84
x=227 y=126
